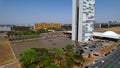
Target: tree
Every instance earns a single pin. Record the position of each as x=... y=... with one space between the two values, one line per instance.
x=69 y=47
x=54 y=58
x=59 y=54
x=69 y=62
x=28 y=66
x=27 y=58
x=52 y=66
x=58 y=51
x=63 y=64
x=44 y=61
x=79 y=60
x=41 y=51
x=81 y=51
x=69 y=50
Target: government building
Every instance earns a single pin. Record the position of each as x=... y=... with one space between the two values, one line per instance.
x=82 y=20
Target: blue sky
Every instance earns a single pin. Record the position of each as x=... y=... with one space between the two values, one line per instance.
x=56 y=11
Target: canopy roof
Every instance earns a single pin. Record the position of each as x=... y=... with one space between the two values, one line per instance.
x=110 y=33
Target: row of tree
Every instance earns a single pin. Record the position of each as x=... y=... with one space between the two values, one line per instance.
x=53 y=58
x=106 y=25
x=22 y=35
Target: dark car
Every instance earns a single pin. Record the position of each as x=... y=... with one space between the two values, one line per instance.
x=95 y=54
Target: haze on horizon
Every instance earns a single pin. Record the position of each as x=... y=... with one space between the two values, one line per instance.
x=56 y=11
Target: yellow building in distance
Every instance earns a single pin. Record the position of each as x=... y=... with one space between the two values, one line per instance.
x=47 y=26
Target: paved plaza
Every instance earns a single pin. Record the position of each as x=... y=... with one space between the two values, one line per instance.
x=19 y=47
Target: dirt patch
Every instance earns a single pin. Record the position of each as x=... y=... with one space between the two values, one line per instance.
x=88 y=59
x=15 y=66
x=6 y=56
x=115 y=29
x=108 y=48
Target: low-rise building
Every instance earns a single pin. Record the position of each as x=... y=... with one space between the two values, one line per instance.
x=6 y=27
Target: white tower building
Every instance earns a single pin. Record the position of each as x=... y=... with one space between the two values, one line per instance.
x=82 y=20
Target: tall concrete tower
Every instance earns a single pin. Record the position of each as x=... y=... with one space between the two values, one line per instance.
x=82 y=20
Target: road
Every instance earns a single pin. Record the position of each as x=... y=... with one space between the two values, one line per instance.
x=110 y=61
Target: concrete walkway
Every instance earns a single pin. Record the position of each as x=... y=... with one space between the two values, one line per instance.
x=10 y=64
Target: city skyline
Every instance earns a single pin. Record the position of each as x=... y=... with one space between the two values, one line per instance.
x=56 y=11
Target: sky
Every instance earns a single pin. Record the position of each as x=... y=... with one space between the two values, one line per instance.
x=52 y=11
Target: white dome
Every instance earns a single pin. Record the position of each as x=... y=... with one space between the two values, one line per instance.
x=110 y=33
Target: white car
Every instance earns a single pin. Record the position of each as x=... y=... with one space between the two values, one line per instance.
x=93 y=62
x=102 y=61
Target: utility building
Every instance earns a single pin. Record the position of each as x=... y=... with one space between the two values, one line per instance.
x=82 y=20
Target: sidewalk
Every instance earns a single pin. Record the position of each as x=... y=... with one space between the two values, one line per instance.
x=15 y=64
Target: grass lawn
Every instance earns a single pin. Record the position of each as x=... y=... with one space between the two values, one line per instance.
x=6 y=55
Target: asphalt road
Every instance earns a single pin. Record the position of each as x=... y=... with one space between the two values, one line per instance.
x=110 y=61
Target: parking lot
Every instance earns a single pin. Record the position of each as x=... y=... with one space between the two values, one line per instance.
x=89 y=47
x=112 y=60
